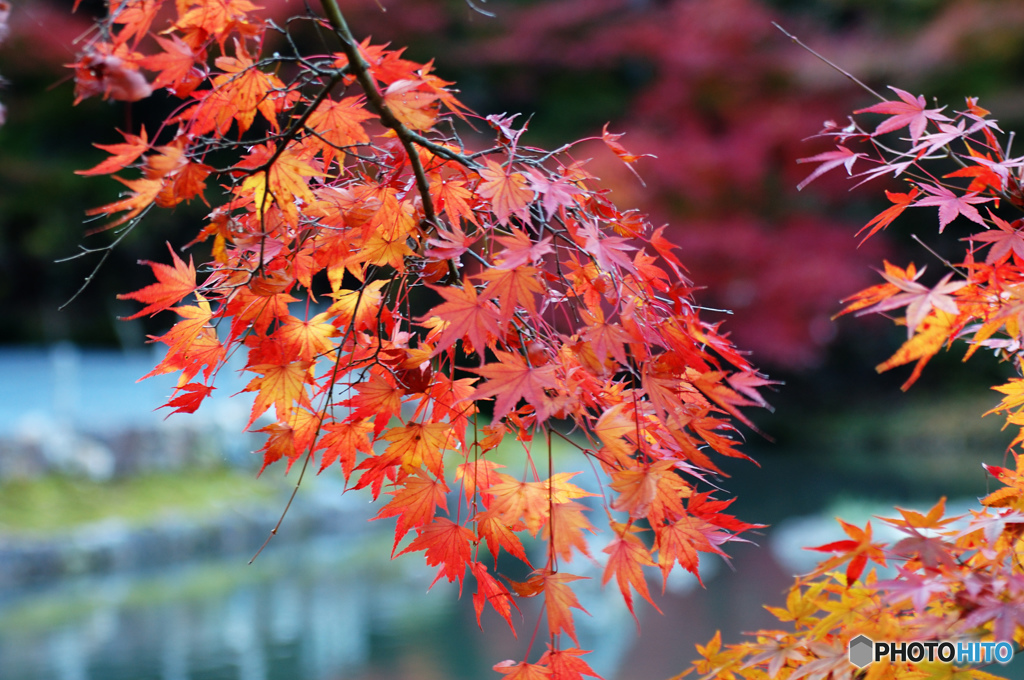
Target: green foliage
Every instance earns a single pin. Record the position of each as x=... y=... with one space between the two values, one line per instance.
x=54 y=504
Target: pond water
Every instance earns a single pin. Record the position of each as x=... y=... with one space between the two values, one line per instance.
x=314 y=611
x=330 y=608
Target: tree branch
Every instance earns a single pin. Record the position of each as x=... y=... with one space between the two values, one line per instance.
x=361 y=70
x=408 y=138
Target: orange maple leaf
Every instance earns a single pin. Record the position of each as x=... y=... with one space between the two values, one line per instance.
x=477 y=474
x=875 y=294
x=195 y=318
x=523 y=670
x=1013 y=479
x=508 y=192
x=202 y=351
x=611 y=428
x=451 y=196
x=413 y=107
x=281 y=385
x=498 y=535
x=378 y=398
x=934 y=519
x=414 y=502
x=122 y=156
x=358 y=308
x=289 y=439
x=338 y=125
x=652 y=491
x=627 y=555
x=900 y=203
x=565 y=528
x=451 y=402
x=237 y=94
x=173 y=284
x=136 y=17
x=559 y=599
x=283 y=183
x=680 y=542
x=566 y=664
x=418 y=444
x=446 y=543
x=931 y=335
x=513 y=289
x=183 y=178
x=202 y=19
x=143 y=192
x=306 y=339
x=513 y=379
x=341 y=442
x=513 y=501
x=983 y=177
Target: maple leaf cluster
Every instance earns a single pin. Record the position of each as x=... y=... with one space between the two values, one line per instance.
x=710 y=89
x=960 y=164
x=385 y=282
x=951 y=577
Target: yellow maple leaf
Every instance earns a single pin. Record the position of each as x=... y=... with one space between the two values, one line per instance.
x=284 y=183
x=931 y=335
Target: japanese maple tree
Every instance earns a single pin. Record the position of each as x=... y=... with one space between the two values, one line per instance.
x=386 y=282
x=949 y=577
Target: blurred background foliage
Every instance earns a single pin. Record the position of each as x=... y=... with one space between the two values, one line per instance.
x=708 y=86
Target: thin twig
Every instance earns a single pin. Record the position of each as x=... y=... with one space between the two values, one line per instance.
x=295 y=491
x=828 y=61
x=940 y=258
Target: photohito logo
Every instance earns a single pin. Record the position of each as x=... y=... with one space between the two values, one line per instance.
x=864 y=650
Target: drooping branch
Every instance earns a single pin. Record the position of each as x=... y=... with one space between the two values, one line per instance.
x=361 y=70
x=407 y=137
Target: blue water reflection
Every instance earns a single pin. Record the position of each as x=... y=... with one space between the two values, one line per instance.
x=315 y=611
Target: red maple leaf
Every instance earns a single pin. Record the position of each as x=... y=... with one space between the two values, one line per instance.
x=900 y=203
x=445 y=543
x=122 y=156
x=173 y=284
x=466 y=315
x=414 y=502
x=910 y=111
x=181 y=69
x=951 y=205
x=513 y=379
x=1005 y=239
x=627 y=555
x=829 y=160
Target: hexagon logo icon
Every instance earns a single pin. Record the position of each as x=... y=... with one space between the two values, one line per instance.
x=861 y=651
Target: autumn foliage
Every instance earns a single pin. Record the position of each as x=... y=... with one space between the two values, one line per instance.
x=949 y=577
x=412 y=284
x=388 y=284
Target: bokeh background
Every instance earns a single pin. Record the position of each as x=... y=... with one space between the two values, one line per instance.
x=124 y=538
